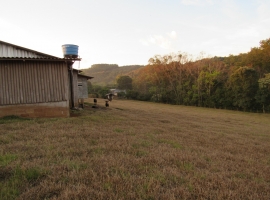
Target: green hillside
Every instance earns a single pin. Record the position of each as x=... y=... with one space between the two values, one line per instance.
x=105 y=74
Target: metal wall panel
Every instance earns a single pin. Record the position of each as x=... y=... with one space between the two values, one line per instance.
x=33 y=82
x=82 y=88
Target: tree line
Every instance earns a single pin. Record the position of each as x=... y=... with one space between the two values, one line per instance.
x=238 y=82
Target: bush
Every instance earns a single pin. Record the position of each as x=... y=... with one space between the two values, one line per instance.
x=121 y=95
x=131 y=94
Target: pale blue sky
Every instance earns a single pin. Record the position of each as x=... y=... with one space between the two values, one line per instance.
x=127 y=32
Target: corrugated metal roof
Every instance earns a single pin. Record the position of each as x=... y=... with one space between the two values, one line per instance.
x=88 y=77
x=12 y=50
x=80 y=71
x=40 y=59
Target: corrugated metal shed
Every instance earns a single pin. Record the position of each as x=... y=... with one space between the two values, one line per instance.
x=34 y=84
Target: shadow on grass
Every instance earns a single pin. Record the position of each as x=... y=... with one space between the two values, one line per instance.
x=12 y=118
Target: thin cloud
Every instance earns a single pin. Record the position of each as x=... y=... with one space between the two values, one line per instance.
x=164 y=42
x=172 y=35
x=144 y=42
x=160 y=41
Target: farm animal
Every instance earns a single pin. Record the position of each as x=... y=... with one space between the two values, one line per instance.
x=109 y=96
x=107 y=103
x=95 y=101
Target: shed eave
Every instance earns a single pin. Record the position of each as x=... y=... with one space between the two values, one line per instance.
x=85 y=76
x=41 y=59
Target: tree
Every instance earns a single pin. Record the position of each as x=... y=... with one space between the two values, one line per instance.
x=259 y=58
x=263 y=94
x=124 y=83
x=208 y=82
x=243 y=85
x=265 y=47
x=220 y=82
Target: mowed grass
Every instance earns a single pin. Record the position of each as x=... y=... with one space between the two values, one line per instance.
x=137 y=150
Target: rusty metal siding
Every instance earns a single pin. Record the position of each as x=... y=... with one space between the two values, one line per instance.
x=11 y=51
x=33 y=82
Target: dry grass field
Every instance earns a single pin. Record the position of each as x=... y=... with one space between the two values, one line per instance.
x=137 y=150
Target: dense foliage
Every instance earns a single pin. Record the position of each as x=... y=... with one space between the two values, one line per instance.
x=97 y=91
x=239 y=82
x=124 y=83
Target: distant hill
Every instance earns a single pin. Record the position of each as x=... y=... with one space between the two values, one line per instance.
x=105 y=74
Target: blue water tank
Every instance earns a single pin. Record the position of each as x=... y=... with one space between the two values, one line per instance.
x=70 y=50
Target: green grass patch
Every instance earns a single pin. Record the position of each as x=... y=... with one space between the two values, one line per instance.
x=95 y=118
x=6 y=159
x=107 y=186
x=187 y=166
x=190 y=187
x=30 y=174
x=75 y=165
x=11 y=186
x=8 y=191
x=98 y=150
x=158 y=132
x=33 y=174
x=93 y=142
x=12 y=119
x=207 y=159
x=118 y=130
x=141 y=153
x=4 y=141
x=88 y=104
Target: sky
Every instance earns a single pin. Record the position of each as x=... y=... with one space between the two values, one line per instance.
x=130 y=32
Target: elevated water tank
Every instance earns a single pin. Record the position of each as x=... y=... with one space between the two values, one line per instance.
x=70 y=50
